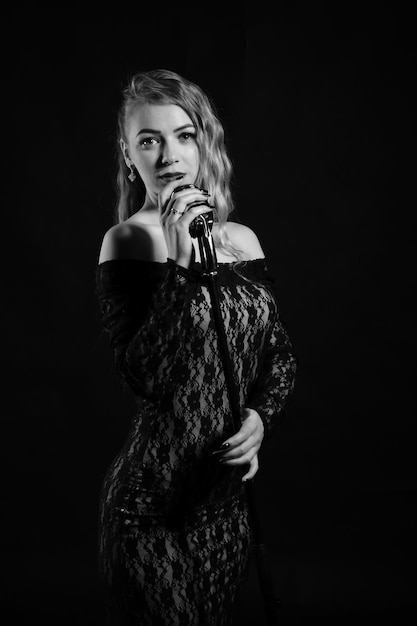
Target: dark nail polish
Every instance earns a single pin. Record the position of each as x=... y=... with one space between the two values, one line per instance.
x=225 y=445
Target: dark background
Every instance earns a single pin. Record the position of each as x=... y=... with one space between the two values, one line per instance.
x=316 y=102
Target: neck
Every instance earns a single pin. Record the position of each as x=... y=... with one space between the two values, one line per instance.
x=151 y=203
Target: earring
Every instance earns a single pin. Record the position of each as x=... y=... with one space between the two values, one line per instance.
x=132 y=175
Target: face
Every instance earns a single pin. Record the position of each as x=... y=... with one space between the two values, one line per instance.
x=162 y=145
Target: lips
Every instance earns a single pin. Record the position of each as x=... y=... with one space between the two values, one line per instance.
x=168 y=176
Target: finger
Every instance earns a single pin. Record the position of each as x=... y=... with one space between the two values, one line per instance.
x=169 y=194
x=237 y=451
x=253 y=468
x=187 y=201
x=190 y=214
x=165 y=195
x=251 y=424
x=247 y=429
x=178 y=207
x=174 y=215
x=241 y=460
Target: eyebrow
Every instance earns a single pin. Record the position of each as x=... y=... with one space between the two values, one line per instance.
x=158 y=132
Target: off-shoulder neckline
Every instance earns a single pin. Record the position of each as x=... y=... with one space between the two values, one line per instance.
x=165 y=263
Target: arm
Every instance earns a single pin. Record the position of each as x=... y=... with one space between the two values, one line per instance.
x=152 y=362
x=266 y=400
x=276 y=379
x=265 y=405
x=276 y=374
x=145 y=308
x=148 y=350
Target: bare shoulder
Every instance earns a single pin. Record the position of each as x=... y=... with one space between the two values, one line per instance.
x=245 y=239
x=132 y=240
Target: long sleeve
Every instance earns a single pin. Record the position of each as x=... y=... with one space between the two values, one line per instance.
x=276 y=377
x=145 y=308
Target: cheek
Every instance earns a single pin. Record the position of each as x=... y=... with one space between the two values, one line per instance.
x=194 y=156
x=144 y=161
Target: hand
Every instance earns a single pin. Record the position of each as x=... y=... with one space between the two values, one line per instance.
x=176 y=215
x=243 y=447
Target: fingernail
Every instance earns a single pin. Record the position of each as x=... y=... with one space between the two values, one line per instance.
x=226 y=444
x=178 y=177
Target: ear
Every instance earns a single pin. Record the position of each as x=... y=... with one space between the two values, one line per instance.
x=124 y=149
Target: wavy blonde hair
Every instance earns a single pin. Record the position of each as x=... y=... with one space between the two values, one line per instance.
x=215 y=171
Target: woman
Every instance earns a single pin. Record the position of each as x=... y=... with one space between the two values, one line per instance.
x=174 y=530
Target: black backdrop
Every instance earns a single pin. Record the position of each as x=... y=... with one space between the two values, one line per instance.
x=316 y=103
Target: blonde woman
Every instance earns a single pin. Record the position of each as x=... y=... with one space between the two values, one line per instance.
x=174 y=529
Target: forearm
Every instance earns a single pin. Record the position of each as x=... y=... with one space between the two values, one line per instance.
x=275 y=381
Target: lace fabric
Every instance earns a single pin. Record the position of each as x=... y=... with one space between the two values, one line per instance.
x=164 y=482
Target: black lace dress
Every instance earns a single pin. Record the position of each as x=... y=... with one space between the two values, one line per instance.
x=174 y=532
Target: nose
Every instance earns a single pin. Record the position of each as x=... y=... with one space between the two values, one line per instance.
x=168 y=157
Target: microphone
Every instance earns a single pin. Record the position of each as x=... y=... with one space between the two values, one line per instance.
x=202 y=224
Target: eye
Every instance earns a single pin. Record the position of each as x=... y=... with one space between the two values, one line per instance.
x=148 y=141
x=187 y=137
